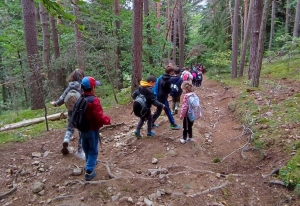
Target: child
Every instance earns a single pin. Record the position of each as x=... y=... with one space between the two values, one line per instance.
x=187 y=89
x=163 y=90
x=186 y=75
x=176 y=90
x=74 y=80
x=199 y=78
x=96 y=119
x=145 y=89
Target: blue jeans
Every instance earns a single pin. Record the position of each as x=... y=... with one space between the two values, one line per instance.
x=167 y=111
x=90 y=140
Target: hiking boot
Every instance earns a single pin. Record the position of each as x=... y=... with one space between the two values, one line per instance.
x=89 y=175
x=175 y=126
x=150 y=134
x=138 y=134
x=154 y=126
x=182 y=141
x=80 y=154
x=189 y=140
x=65 y=149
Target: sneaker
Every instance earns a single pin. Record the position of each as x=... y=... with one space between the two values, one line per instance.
x=182 y=141
x=154 y=126
x=138 y=135
x=150 y=134
x=176 y=111
x=189 y=140
x=80 y=154
x=175 y=126
x=65 y=149
x=89 y=175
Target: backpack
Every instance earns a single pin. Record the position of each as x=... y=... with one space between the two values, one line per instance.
x=175 y=89
x=78 y=118
x=71 y=98
x=185 y=77
x=139 y=105
x=155 y=88
x=194 y=75
x=194 y=111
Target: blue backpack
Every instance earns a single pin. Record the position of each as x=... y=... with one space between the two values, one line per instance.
x=155 y=88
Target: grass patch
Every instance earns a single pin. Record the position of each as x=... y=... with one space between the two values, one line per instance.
x=158 y=156
x=290 y=173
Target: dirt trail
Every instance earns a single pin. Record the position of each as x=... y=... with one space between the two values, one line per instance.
x=184 y=174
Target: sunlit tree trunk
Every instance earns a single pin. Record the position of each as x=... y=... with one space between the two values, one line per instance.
x=260 y=47
x=272 y=25
x=78 y=38
x=235 y=39
x=118 y=68
x=297 y=19
x=181 y=34
x=148 y=26
x=245 y=40
x=46 y=35
x=30 y=32
x=287 y=16
x=246 y=9
x=175 y=34
x=255 y=26
x=137 y=44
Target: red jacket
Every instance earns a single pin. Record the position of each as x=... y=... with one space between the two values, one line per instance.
x=95 y=115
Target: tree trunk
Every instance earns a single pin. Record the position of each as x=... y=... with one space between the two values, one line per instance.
x=246 y=9
x=287 y=16
x=169 y=22
x=78 y=38
x=60 y=73
x=3 y=83
x=181 y=34
x=245 y=41
x=158 y=5
x=255 y=26
x=46 y=35
x=118 y=68
x=149 y=39
x=175 y=32
x=260 y=47
x=23 y=79
x=297 y=18
x=137 y=44
x=272 y=25
x=30 y=32
x=235 y=39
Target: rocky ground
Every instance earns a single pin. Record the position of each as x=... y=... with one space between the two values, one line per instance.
x=150 y=171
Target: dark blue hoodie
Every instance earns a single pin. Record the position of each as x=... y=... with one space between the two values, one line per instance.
x=164 y=87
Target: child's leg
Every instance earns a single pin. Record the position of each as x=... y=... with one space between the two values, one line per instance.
x=190 y=128
x=185 y=128
x=137 y=132
x=177 y=101
x=156 y=114
x=90 y=141
x=68 y=135
x=173 y=103
x=169 y=113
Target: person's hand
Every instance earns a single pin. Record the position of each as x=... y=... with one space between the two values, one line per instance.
x=52 y=103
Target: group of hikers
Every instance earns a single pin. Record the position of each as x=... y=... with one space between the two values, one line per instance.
x=86 y=114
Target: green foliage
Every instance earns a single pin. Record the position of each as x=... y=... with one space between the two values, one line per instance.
x=290 y=173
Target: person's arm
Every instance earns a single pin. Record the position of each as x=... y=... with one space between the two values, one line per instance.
x=100 y=118
x=184 y=107
x=154 y=101
x=61 y=99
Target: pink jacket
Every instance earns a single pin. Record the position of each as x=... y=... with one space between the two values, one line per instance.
x=185 y=105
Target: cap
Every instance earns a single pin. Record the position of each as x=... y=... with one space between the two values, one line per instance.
x=89 y=82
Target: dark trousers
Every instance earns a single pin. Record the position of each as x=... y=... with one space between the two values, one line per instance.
x=198 y=82
x=175 y=101
x=187 y=128
x=167 y=111
x=147 y=117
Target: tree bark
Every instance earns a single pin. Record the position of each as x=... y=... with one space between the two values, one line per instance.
x=137 y=44
x=30 y=31
x=272 y=25
x=118 y=68
x=148 y=26
x=260 y=47
x=255 y=26
x=245 y=41
x=235 y=39
x=246 y=9
x=181 y=34
x=175 y=32
x=287 y=16
x=297 y=19
x=169 y=22
x=78 y=38
x=46 y=35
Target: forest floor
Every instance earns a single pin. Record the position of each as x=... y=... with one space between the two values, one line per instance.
x=185 y=174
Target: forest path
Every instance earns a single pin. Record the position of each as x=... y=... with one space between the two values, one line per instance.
x=184 y=174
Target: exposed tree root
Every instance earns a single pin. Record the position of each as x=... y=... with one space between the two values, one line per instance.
x=246 y=149
x=210 y=190
x=110 y=126
x=13 y=189
x=59 y=198
x=277 y=182
x=275 y=171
